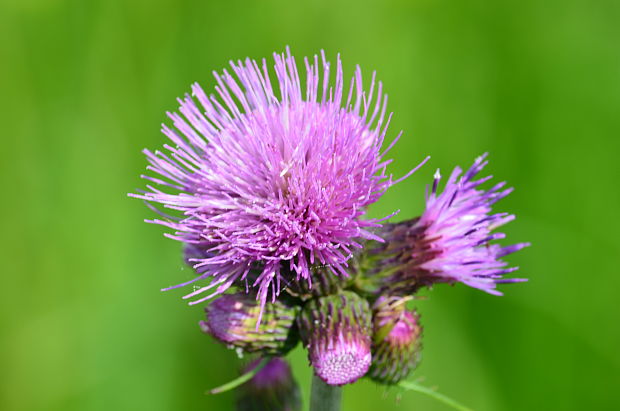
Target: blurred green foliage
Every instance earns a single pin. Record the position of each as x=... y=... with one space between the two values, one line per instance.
x=85 y=85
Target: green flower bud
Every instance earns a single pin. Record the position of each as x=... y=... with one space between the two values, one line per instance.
x=232 y=319
x=396 y=341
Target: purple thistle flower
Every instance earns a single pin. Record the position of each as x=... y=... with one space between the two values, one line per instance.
x=272 y=180
x=272 y=388
x=336 y=331
x=451 y=242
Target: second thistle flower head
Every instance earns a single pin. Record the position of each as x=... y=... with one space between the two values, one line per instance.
x=452 y=241
x=270 y=179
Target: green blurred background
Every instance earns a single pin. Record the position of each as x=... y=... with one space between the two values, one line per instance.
x=84 y=87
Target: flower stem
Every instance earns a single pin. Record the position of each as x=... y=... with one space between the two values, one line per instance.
x=414 y=386
x=242 y=379
x=324 y=397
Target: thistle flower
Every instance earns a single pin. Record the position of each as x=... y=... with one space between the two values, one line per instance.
x=232 y=319
x=336 y=331
x=268 y=177
x=396 y=340
x=273 y=388
x=450 y=242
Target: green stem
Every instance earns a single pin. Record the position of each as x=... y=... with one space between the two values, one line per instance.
x=324 y=397
x=413 y=386
x=242 y=379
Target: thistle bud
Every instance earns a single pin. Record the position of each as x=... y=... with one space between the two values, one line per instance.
x=273 y=388
x=232 y=320
x=336 y=331
x=396 y=341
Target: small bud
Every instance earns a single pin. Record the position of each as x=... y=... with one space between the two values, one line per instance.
x=232 y=319
x=396 y=341
x=336 y=331
x=273 y=388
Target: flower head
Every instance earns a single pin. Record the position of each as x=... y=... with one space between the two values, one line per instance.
x=272 y=179
x=272 y=388
x=336 y=331
x=452 y=241
x=232 y=319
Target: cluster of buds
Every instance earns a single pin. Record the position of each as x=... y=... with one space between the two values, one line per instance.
x=346 y=338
